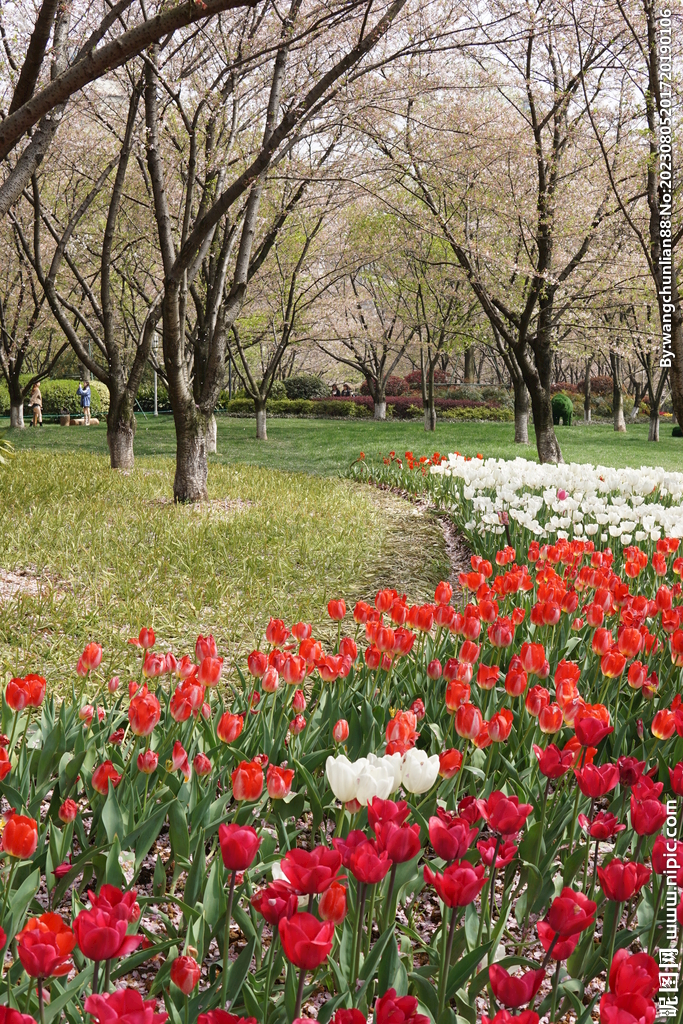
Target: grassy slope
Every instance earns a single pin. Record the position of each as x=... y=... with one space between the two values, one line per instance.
x=118 y=554
x=326 y=446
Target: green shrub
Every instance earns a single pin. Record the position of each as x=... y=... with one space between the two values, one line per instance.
x=145 y=395
x=483 y=413
x=306 y=385
x=337 y=409
x=677 y=432
x=563 y=409
x=61 y=394
x=295 y=407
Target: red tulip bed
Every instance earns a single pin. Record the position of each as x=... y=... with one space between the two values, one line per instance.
x=462 y=811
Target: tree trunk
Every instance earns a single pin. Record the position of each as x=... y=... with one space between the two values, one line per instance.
x=261 y=432
x=676 y=372
x=653 y=433
x=617 y=393
x=521 y=412
x=587 y=393
x=16 y=415
x=192 y=467
x=212 y=436
x=430 y=408
x=380 y=411
x=121 y=426
x=468 y=366
x=120 y=444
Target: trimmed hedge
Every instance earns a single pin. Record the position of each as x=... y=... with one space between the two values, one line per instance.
x=363 y=406
x=61 y=394
x=306 y=385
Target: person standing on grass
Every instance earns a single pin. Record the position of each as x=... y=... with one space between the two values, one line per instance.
x=36 y=404
x=84 y=395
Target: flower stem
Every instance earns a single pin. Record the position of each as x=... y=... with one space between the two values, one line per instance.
x=299 y=993
x=357 y=937
x=41 y=1001
x=556 y=981
x=390 y=893
x=446 y=962
x=271 y=957
x=226 y=939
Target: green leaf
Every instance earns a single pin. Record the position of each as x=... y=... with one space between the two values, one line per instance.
x=291 y=984
x=239 y=971
x=179 y=836
x=311 y=795
x=426 y=992
x=460 y=972
x=573 y=863
x=47 y=754
x=369 y=968
x=112 y=818
x=113 y=873
x=471 y=925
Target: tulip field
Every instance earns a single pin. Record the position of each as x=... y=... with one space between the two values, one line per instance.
x=460 y=812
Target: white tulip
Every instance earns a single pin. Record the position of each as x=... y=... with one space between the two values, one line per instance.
x=374 y=780
x=420 y=771
x=342 y=776
x=393 y=762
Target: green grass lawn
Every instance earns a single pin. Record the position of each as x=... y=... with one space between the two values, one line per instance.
x=327 y=447
x=111 y=552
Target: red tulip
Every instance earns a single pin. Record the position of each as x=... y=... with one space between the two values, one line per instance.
x=627 y=1009
x=676 y=778
x=533 y=658
x=514 y=991
x=187 y=699
x=305 y=940
x=450 y=762
x=594 y=781
x=247 y=781
x=229 y=727
x=550 y=719
x=147 y=762
x=602 y=641
x=5 y=764
x=299 y=700
x=591 y=724
x=297 y=725
x=101 y=934
x=500 y=725
x=279 y=782
x=111 y=898
x=390 y=1009
x=209 y=671
x=401 y=733
x=20 y=837
x=459 y=885
x=629 y=641
x=185 y=973
x=154 y=665
x=450 y=836
x=621 y=879
x=144 y=712
x=348 y=648
x=457 y=694
x=487 y=676
x=401 y=842
x=367 y=862
x=89 y=660
x=44 y=945
x=180 y=761
x=553 y=762
x=487 y=851
x=341 y=731
x=468 y=721
x=536 y=699
x=257 y=663
x=336 y=610
x=294 y=670
x=664 y=724
x=505 y=1017
x=504 y=815
x=647 y=813
x=68 y=811
x=570 y=913
x=633 y=974
x=603 y=826
x=201 y=764
x=205 y=647
x=239 y=845
x=332 y=904
x=275 y=901
x=557 y=948
x=123 y=1006
x=469 y=652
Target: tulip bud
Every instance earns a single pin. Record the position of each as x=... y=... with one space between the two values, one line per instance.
x=185 y=973
x=434 y=669
x=341 y=731
x=147 y=762
x=113 y=684
x=270 y=680
x=299 y=701
x=202 y=764
x=297 y=725
x=68 y=811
